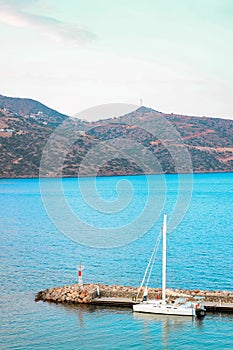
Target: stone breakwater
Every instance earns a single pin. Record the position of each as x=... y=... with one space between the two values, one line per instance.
x=88 y=292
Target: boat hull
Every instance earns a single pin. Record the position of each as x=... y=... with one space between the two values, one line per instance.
x=164 y=309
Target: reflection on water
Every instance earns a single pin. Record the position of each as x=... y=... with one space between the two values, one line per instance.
x=168 y=325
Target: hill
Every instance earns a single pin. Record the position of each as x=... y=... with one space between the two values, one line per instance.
x=144 y=141
x=29 y=107
x=208 y=140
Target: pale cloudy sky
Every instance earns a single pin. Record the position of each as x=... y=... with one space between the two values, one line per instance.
x=177 y=55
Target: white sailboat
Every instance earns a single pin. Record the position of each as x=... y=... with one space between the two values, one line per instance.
x=180 y=306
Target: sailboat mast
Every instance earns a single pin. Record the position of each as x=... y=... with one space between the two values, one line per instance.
x=164 y=257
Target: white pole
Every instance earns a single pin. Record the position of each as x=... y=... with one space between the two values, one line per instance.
x=80 y=274
x=164 y=258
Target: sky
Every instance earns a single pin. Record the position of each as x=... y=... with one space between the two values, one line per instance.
x=175 y=55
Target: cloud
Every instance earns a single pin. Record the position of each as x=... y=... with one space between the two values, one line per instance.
x=14 y=13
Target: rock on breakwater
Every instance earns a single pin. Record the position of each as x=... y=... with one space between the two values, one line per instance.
x=88 y=292
x=85 y=294
x=69 y=294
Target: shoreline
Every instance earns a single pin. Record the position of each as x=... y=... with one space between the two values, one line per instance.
x=120 y=175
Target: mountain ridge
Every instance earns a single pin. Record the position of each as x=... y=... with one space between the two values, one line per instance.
x=23 y=137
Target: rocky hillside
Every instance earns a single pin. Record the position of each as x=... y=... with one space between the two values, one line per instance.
x=28 y=107
x=208 y=140
x=119 y=146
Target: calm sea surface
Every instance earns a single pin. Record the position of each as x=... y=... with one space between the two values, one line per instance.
x=35 y=255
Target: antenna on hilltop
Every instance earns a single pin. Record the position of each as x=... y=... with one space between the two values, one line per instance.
x=140 y=102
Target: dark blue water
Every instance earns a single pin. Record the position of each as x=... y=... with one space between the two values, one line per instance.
x=36 y=255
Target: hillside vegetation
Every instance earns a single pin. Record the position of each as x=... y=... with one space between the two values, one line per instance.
x=145 y=141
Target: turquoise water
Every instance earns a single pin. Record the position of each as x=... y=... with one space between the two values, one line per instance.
x=35 y=255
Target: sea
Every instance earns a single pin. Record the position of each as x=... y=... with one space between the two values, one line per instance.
x=110 y=225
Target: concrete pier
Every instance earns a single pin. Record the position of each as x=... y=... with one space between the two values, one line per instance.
x=126 y=296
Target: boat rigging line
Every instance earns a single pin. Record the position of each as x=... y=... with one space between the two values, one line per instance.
x=150 y=264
